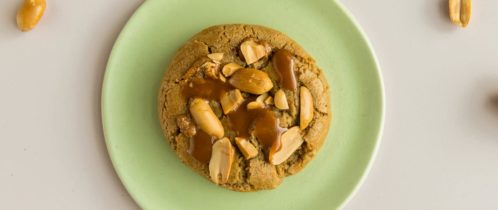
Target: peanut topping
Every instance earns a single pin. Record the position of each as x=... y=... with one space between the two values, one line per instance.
x=221 y=161
x=281 y=100
x=216 y=57
x=252 y=51
x=251 y=81
x=231 y=100
x=291 y=140
x=247 y=149
x=230 y=68
x=205 y=118
x=306 y=109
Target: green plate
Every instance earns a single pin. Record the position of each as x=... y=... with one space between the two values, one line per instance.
x=148 y=167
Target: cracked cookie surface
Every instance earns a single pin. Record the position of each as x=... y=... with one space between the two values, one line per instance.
x=210 y=110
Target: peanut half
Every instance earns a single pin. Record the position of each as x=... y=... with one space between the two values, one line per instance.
x=281 y=100
x=222 y=78
x=306 y=109
x=230 y=68
x=216 y=57
x=252 y=51
x=30 y=13
x=252 y=81
x=255 y=105
x=460 y=11
x=222 y=156
x=269 y=100
x=211 y=69
x=205 y=118
x=261 y=98
x=291 y=140
x=231 y=100
x=247 y=149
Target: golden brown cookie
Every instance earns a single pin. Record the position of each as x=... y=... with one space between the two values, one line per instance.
x=244 y=106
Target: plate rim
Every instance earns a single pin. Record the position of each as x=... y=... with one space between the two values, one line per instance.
x=380 y=133
x=103 y=103
x=356 y=26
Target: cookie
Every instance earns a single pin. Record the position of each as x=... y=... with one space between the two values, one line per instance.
x=244 y=106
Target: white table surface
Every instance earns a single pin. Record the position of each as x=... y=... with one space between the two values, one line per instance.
x=440 y=143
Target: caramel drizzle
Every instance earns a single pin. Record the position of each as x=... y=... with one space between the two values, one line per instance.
x=266 y=125
x=283 y=63
x=201 y=146
x=205 y=88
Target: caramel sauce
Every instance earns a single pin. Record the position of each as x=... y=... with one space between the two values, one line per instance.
x=201 y=145
x=240 y=119
x=267 y=129
x=283 y=63
x=266 y=125
x=205 y=88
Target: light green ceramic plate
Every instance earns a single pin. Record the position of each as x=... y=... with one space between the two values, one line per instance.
x=148 y=167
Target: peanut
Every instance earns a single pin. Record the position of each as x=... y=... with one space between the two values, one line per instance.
x=306 y=109
x=205 y=118
x=231 y=100
x=247 y=149
x=291 y=140
x=281 y=100
x=252 y=51
x=460 y=11
x=222 y=156
x=230 y=68
x=255 y=105
x=216 y=57
x=252 y=81
x=29 y=14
